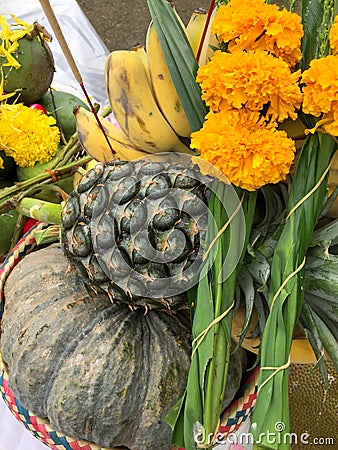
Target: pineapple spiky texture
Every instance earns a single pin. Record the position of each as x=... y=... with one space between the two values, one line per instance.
x=136 y=230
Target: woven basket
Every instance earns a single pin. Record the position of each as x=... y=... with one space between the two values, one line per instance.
x=232 y=418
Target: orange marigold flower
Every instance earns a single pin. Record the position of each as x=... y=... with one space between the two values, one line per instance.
x=253 y=25
x=247 y=151
x=254 y=80
x=321 y=92
x=334 y=37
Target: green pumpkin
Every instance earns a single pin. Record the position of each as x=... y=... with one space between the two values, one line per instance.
x=61 y=104
x=32 y=80
x=95 y=370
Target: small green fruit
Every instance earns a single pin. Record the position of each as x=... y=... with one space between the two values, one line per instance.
x=7 y=226
x=32 y=80
x=26 y=173
x=61 y=104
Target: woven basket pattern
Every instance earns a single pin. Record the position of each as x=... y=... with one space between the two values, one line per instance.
x=231 y=420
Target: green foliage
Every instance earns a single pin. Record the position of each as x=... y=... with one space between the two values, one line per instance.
x=181 y=60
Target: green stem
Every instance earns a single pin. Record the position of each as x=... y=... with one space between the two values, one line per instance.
x=45 y=212
x=48 y=235
x=6 y=194
x=214 y=383
x=224 y=293
x=18 y=230
x=65 y=152
x=286 y=291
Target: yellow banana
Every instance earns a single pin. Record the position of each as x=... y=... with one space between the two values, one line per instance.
x=140 y=49
x=164 y=88
x=93 y=141
x=135 y=107
x=209 y=44
x=195 y=27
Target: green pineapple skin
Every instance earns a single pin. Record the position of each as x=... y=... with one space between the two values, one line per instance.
x=134 y=230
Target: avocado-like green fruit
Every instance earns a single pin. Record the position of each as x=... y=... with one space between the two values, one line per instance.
x=61 y=104
x=32 y=80
x=26 y=173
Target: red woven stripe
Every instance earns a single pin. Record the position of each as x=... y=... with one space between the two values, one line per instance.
x=225 y=429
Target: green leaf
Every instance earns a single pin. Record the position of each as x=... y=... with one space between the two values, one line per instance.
x=312 y=17
x=330 y=202
x=247 y=286
x=324 y=334
x=174 y=418
x=326 y=235
x=259 y=268
x=286 y=292
x=203 y=349
x=180 y=59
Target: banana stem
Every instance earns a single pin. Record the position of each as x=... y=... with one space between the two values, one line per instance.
x=6 y=194
x=68 y=150
x=40 y=210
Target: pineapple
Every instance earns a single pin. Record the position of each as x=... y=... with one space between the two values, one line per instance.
x=136 y=229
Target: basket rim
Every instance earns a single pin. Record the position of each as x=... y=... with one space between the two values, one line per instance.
x=231 y=419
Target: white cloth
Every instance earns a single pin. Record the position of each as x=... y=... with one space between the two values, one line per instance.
x=13 y=435
x=87 y=48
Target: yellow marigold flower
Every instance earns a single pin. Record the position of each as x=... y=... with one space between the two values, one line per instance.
x=9 y=37
x=247 y=151
x=321 y=92
x=253 y=25
x=334 y=37
x=1 y=163
x=254 y=80
x=28 y=135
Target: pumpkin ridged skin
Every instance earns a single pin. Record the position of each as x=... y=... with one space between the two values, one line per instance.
x=95 y=370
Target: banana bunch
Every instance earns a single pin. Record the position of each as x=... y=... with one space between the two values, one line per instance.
x=143 y=100
x=96 y=143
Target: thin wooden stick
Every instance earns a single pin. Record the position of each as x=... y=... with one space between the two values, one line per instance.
x=48 y=10
x=211 y=7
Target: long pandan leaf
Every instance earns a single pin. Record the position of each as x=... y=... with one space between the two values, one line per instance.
x=180 y=59
x=312 y=17
x=287 y=285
